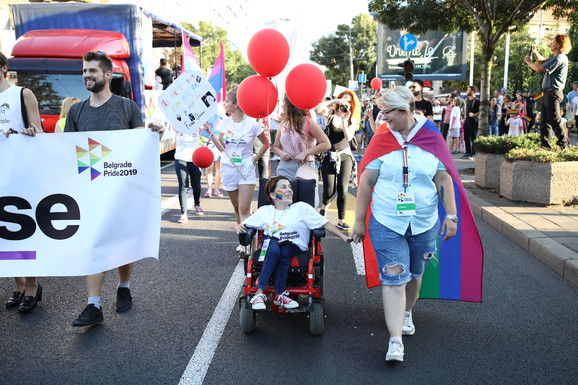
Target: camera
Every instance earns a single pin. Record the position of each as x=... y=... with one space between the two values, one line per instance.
x=344 y=108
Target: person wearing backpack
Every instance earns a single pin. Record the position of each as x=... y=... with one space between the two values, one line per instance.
x=104 y=110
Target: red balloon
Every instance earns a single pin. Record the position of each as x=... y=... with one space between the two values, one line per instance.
x=268 y=52
x=376 y=83
x=203 y=157
x=305 y=86
x=257 y=96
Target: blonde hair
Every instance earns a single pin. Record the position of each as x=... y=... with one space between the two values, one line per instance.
x=399 y=98
x=66 y=104
x=564 y=43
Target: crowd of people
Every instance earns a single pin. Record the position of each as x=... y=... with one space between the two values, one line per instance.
x=323 y=142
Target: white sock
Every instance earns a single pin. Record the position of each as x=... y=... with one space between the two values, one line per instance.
x=398 y=339
x=124 y=284
x=94 y=301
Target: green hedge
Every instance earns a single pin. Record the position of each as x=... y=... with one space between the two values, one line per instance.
x=503 y=144
x=569 y=154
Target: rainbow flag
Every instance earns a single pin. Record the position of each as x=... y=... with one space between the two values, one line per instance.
x=456 y=272
x=527 y=118
x=512 y=111
x=217 y=77
x=189 y=60
x=538 y=97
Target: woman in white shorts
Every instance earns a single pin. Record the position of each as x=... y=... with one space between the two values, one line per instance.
x=237 y=133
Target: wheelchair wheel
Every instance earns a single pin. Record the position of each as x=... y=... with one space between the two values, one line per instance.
x=247 y=317
x=317 y=319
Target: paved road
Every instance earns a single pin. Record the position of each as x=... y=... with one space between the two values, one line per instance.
x=524 y=332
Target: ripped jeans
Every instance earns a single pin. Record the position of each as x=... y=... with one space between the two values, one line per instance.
x=401 y=258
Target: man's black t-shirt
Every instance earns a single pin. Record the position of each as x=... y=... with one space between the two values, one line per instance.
x=166 y=76
x=425 y=107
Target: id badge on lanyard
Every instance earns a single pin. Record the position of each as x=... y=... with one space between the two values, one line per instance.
x=405 y=202
x=264 y=248
x=236 y=158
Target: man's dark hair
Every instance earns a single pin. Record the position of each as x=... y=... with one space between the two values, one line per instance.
x=104 y=61
x=418 y=81
x=163 y=62
x=474 y=88
x=3 y=62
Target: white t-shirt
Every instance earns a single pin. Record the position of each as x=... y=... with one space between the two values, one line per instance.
x=186 y=145
x=437 y=112
x=11 y=110
x=575 y=105
x=515 y=126
x=239 y=137
x=456 y=115
x=292 y=224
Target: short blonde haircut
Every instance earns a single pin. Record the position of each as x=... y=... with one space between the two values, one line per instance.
x=66 y=104
x=399 y=98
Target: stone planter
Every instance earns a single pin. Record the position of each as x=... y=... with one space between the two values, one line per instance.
x=537 y=182
x=488 y=169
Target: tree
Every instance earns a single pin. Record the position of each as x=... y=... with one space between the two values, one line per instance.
x=332 y=51
x=236 y=67
x=491 y=19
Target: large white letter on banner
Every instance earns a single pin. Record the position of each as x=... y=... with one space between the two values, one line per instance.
x=78 y=203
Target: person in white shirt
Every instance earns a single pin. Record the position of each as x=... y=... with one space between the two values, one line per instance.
x=286 y=228
x=515 y=125
x=454 y=128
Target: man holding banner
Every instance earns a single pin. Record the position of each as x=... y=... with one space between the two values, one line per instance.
x=104 y=111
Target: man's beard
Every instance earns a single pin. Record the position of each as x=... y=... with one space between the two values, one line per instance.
x=416 y=93
x=96 y=87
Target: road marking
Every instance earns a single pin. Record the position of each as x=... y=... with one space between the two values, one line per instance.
x=199 y=364
x=168 y=204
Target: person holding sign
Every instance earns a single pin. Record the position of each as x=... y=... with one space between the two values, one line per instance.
x=287 y=226
x=403 y=181
x=235 y=141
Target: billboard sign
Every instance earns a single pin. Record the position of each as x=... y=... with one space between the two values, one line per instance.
x=436 y=55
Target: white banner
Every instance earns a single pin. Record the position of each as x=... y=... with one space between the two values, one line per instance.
x=189 y=102
x=78 y=203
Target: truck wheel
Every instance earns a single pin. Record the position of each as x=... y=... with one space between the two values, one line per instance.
x=317 y=319
x=247 y=317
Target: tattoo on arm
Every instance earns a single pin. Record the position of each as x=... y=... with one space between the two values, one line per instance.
x=442 y=196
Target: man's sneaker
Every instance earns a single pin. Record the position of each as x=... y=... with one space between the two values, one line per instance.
x=199 y=210
x=283 y=300
x=90 y=315
x=218 y=193
x=395 y=351
x=258 y=302
x=408 y=328
x=209 y=192
x=123 y=299
x=183 y=219
x=343 y=226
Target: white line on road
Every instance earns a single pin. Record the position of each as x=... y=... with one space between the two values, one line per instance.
x=199 y=363
x=357 y=250
x=168 y=203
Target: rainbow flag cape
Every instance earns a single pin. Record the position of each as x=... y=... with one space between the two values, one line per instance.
x=189 y=61
x=538 y=97
x=456 y=272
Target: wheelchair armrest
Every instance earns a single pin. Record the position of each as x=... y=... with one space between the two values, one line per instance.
x=245 y=238
x=319 y=232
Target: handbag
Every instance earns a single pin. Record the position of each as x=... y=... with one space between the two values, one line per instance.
x=306 y=172
x=353 y=144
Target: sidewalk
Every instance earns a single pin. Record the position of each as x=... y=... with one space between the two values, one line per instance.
x=550 y=233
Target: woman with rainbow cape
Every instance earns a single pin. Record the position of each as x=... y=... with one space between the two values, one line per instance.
x=409 y=190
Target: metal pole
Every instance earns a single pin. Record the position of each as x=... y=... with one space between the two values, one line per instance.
x=350 y=58
x=506 y=61
x=472 y=59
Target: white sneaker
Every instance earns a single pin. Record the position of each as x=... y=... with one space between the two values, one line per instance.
x=283 y=300
x=408 y=328
x=395 y=351
x=258 y=302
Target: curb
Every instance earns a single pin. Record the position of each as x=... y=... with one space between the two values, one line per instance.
x=553 y=254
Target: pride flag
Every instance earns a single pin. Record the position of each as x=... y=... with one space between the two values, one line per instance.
x=217 y=77
x=456 y=271
x=189 y=60
x=538 y=97
x=527 y=118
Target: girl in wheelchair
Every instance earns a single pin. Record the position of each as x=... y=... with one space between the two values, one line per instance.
x=286 y=227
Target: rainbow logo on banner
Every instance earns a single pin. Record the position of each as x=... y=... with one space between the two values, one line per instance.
x=87 y=158
x=538 y=97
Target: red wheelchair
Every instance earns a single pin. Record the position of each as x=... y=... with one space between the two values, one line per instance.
x=305 y=280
